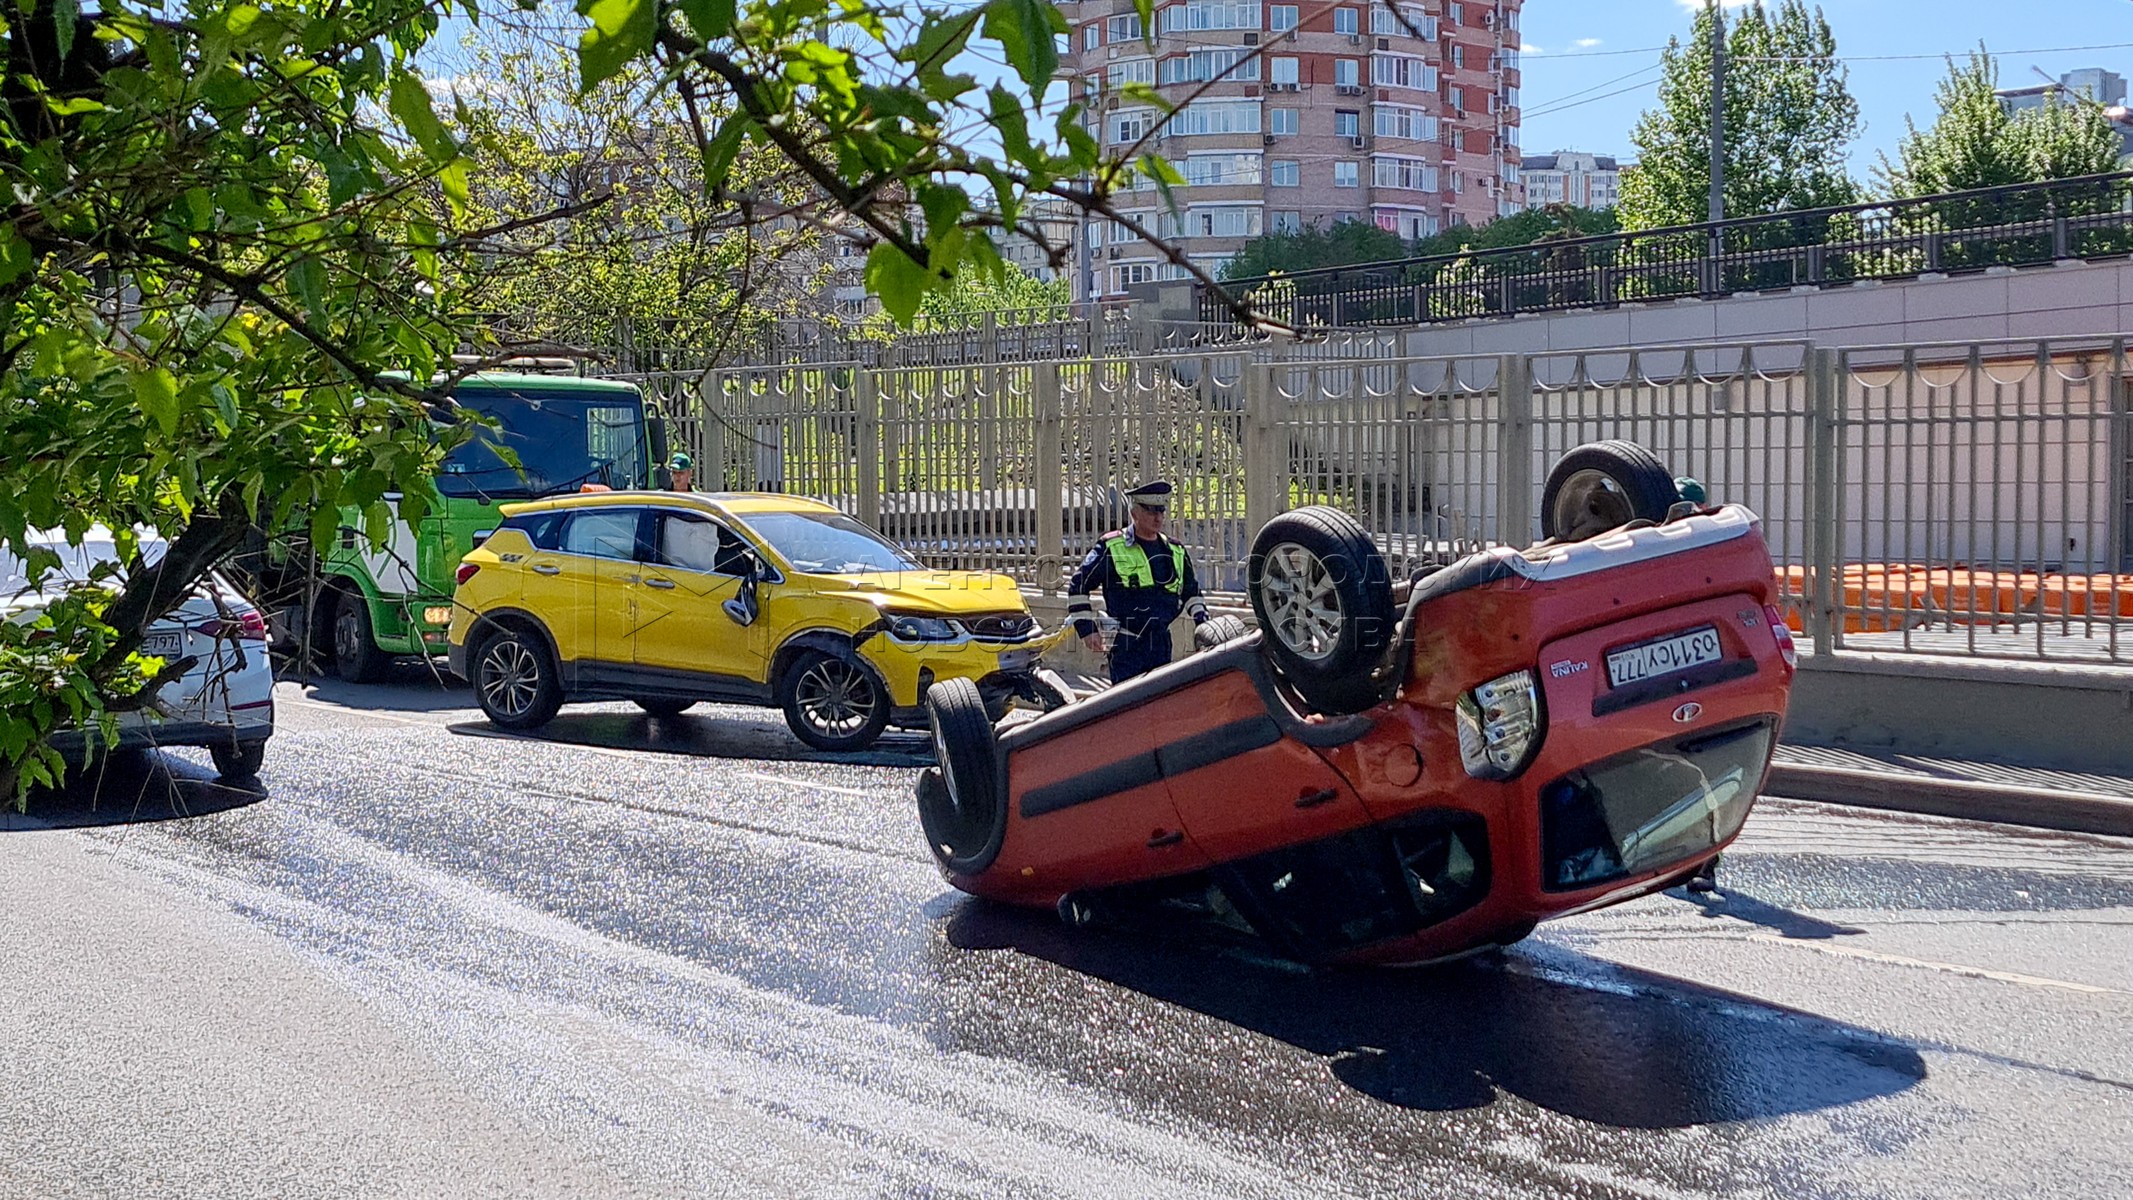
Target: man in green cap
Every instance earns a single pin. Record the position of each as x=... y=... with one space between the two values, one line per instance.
x=682 y=470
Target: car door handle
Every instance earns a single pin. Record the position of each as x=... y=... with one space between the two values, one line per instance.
x=1315 y=799
x=547 y=569
x=662 y=584
x=1166 y=839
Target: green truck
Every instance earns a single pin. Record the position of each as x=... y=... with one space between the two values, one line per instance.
x=359 y=607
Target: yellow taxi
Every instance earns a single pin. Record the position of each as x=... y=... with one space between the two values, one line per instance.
x=667 y=599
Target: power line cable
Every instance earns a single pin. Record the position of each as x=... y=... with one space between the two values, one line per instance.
x=1530 y=114
x=1550 y=103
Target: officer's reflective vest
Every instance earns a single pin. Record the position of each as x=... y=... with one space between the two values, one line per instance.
x=1130 y=562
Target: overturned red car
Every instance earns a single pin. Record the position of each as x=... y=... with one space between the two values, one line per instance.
x=1397 y=773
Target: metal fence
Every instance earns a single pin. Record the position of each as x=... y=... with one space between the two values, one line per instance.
x=2027 y=224
x=1961 y=499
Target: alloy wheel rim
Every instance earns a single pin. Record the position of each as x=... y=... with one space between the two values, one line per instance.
x=835 y=699
x=1303 y=606
x=1591 y=502
x=510 y=677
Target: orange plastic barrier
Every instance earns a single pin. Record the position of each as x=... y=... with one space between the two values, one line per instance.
x=1879 y=597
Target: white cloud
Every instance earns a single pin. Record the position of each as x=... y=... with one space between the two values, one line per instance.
x=1530 y=48
x=1699 y=5
x=1586 y=43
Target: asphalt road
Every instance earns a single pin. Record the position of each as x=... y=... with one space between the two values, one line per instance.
x=693 y=958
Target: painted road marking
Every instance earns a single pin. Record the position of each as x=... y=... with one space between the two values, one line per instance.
x=1899 y=960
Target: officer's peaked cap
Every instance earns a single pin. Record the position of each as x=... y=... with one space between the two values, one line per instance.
x=1153 y=494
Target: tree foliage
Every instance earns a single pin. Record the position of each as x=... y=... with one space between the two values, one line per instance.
x=1344 y=244
x=1974 y=142
x=1789 y=116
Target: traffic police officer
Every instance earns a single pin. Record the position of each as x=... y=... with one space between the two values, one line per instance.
x=1146 y=580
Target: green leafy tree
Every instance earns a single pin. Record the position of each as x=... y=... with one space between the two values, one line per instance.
x=1345 y=244
x=1974 y=142
x=228 y=223
x=1013 y=289
x=1789 y=116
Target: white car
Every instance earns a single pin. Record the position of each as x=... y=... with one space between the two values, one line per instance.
x=225 y=702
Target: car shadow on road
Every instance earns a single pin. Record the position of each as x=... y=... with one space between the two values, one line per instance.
x=1740 y=906
x=129 y=788
x=1593 y=1040
x=724 y=733
x=407 y=687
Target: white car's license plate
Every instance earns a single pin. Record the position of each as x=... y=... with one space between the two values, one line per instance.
x=163 y=645
x=1017 y=660
x=1664 y=657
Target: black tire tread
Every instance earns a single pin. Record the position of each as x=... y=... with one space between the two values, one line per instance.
x=370 y=663
x=964 y=839
x=1218 y=630
x=1644 y=477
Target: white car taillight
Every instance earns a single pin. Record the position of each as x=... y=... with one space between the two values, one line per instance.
x=1500 y=726
x=1783 y=633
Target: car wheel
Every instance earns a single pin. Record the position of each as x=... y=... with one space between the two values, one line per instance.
x=964 y=811
x=515 y=680
x=665 y=708
x=356 y=657
x=1324 y=602
x=238 y=762
x=1604 y=485
x=833 y=703
x=1217 y=630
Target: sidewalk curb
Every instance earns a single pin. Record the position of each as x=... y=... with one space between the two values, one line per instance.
x=2076 y=812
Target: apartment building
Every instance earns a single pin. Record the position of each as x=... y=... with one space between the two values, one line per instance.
x=1290 y=115
x=1571 y=177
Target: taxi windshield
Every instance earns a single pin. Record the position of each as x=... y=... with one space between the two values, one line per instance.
x=829 y=544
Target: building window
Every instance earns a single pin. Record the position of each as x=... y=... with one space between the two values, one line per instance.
x=1132 y=70
x=1451 y=12
x=1211 y=14
x=1284 y=172
x=1458 y=56
x=1200 y=66
x=1457 y=97
x=1282 y=70
x=1344 y=20
x=1222 y=222
x=1400 y=70
x=1408 y=22
x=1288 y=221
x=1347 y=174
x=1216 y=116
x=1411 y=174
x=1281 y=120
x=1206 y=170
x=1131 y=126
x=1125 y=276
x=1281 y=17
x=1345 y=73
x=1092 y=36
x=1125 y=28
x=1395 y=121
x=1510 y=97
x=1347 y=124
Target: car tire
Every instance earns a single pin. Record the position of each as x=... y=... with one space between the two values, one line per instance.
x=1217 y=630
x=516 y=680
x=965 y=813
x=1324 y=603
x=356 y=657
x=1602 y=486
x=832 y=702
x=666 y=708
x=238 y=762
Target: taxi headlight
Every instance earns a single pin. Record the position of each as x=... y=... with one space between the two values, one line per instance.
x=905 y=628
x=1500 y=726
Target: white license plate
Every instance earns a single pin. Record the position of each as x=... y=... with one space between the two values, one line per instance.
x=163 y=645
x=1017 y=660
x=1664 y=657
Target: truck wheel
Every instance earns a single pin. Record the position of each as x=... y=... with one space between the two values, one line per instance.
x=1324 y=602
x=238 y=762
x=833 y=703
x=516 y=680
x=1604 y=485
x=356 y=657
x=964 y=811
x=1216 y=631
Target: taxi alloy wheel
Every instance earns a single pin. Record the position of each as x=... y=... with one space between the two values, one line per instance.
x=515 y=681
x=1319 y=588
x=1602 y=486
x=834 y=703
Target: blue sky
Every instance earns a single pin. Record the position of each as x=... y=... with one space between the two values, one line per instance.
x=1580 y=51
